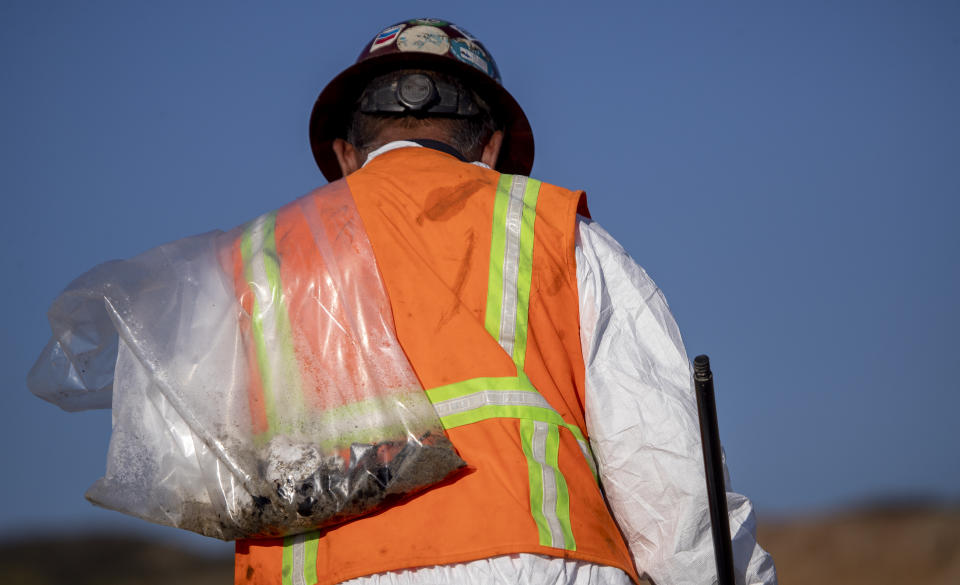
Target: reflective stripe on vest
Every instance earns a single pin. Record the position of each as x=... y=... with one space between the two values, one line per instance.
x=549 y=498
x=508 y=301
x=511 y=264
x=272 y=334
x=300 y=559
x=484 y=398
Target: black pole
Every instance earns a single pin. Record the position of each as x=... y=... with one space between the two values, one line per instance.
x=713 y=466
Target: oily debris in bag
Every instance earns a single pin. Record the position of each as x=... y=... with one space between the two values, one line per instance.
x=312 y=490
x=259 y=387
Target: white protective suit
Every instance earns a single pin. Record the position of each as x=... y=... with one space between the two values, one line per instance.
x=644 y=430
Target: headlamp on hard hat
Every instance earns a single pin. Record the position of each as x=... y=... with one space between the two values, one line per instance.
x=417 y=93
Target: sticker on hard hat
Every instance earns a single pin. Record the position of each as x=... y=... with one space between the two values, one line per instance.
x=424 y=39
x=428 y=21
x=386 y=37
x=471 y=53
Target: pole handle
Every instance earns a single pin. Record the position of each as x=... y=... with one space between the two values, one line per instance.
x=713 y=468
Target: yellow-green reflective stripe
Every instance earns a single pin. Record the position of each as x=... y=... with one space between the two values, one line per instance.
x=496 y=411
x=300 y=559
x=355 y=422
x=562 y=493
x=497 y=243
x=535 y=474
x=344 y=439
x=483 y=398
x=511 y=264
x=549 y=498
x=441 y=393
x=253 y=275
x=272 y=333
x=591 y=462
x=310 y=546
x=507 y=398
x=525 y=270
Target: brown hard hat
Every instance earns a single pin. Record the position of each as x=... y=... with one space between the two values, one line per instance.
x=423 y=43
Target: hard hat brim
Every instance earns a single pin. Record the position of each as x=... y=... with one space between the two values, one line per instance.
x=331 y=111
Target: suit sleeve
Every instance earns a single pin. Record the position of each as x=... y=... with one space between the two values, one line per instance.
x=642 y=420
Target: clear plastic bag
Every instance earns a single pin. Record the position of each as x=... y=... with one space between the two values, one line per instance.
x=257 y=385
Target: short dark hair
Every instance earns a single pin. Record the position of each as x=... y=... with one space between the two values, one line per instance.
x=466 y=134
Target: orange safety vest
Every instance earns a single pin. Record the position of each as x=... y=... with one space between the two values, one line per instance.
x=480 y=272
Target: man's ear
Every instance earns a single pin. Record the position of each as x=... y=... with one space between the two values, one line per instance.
x=492 y=150
x=347 y=156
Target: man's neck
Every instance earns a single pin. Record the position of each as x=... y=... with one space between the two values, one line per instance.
x=407 y=144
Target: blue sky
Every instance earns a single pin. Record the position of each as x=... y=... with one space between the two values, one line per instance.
x=788 y=173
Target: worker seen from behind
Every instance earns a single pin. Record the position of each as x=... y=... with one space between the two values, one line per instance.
x=552 y=359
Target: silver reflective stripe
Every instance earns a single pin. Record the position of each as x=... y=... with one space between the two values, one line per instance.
x=548 y=480
x=588 y=455
x=298 y=553
x=490 y=398
x=511 y=264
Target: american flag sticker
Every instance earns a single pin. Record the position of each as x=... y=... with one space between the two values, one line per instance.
x=386 y=37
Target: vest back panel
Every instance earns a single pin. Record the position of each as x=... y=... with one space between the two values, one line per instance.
x=503 y=368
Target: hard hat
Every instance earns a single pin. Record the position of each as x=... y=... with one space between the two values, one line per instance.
x=423 y=43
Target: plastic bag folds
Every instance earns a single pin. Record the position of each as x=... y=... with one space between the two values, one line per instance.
x=257 y=385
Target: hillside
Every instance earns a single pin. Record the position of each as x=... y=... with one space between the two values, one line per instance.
x=915 y=544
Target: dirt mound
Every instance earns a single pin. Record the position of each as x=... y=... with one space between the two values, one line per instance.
x=888 y=543
x=883 y=543
x=106 y=559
